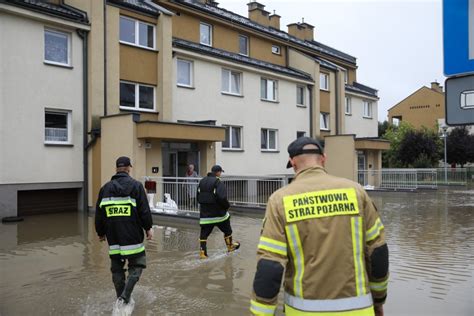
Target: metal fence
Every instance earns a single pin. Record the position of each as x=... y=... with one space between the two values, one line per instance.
x=241 y=191
x=452 y=176
x=398 y=179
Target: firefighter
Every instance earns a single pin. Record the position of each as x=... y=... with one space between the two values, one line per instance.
x=326 y=234
x=213 y=210
x=122 y=215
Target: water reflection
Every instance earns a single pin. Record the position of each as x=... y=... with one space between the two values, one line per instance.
x=55 y=265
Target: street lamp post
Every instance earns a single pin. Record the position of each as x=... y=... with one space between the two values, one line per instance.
x=444 y=127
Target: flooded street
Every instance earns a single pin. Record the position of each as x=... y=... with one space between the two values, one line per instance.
x=55 y=264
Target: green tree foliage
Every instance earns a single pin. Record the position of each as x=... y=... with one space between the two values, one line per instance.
x=383 y=127
x=460 y=146
x=410 y=148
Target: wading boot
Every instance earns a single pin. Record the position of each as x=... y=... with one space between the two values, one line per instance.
x=203 y=249
x=231 y=246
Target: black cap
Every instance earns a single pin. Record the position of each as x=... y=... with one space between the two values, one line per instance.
x=123 y=162
x=216 y=169
x=296 y=148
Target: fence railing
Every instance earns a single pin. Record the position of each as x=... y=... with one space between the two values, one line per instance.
x=452 y=176
x=241 y=191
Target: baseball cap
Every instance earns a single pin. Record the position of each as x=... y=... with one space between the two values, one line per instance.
x=123 y=162
x=296 y=148
x=217 y=168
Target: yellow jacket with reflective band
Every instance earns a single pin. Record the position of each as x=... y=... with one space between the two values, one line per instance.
x=323 y=230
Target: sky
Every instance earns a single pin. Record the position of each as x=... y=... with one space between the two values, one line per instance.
x=398 y=43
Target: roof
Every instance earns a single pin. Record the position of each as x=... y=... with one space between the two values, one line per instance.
x=236 y=18
x=143 y=6
x=362 y=89
x=180 y=43
x=422 y=88
x=62 y=11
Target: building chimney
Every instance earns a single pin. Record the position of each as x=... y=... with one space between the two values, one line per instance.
x=258 y=14
x=275 y=20
x=436 y=87
x=304 y=31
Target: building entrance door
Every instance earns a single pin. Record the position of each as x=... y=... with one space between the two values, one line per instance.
x=362 y=172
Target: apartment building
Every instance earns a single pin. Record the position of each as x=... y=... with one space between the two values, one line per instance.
x=41 y=107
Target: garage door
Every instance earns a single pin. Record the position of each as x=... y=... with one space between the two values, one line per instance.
x=47 y=201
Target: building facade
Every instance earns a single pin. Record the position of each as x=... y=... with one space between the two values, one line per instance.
x=41 y=107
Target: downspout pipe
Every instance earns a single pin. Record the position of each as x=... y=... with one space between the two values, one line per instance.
x=85 y=112
x=105 y=57
x=310 y=89
x=337 y=101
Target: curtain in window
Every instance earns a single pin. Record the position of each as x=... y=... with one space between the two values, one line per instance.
x=235 y=83
x=56 y=47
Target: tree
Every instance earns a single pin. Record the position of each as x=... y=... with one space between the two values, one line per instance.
x=419 y=149
x=394 y=134
x=460 y=146
x=383 y=127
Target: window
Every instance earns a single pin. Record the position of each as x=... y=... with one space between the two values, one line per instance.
x=268 y=89
x=231 y=82
x=269 y=139
x=57 y=47
x=300 y=95
x=137 y=96
x=300 y=134
x=233 y=137
x=367 y=109
x=205 y=34
x=276 y=49
x=324 y=121
x=57 y=127
x=348 y=109
x=243 y=45
x=324 y=81
x=185 y=73
x=137 y=33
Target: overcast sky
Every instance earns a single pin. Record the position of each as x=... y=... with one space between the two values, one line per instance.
x=397 y=43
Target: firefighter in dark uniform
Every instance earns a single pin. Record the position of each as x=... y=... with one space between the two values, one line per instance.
x=213 y=206
x=122 y=215
x=323 y=236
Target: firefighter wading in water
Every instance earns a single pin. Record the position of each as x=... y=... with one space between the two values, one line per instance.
x=326 y=234
x=213 y=206
x=122 y=215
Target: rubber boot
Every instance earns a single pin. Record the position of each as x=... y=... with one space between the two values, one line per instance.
x=203 y=249
x=231 y=246
x=134 y=274
x=118 y=278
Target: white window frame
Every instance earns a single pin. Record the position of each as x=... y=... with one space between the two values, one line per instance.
x=276 y=49
x=191 y=73
x=275 y=89
x=210 y=33
x=229 y=78
x=230 y=148
x=137 y=97
x=348 y=105
x=303 y=91
x=367 y=111
x=268 y=140
x=324 y=87
x=69 y=47
x=69 y=126
x=137 y=33
x=248 y=48
x=322 y=116
x=298 y=132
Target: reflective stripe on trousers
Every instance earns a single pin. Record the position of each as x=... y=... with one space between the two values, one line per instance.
x=213 y=220
x=126 y=250
x=262 y=309
x=296 y=249
x=340 y=306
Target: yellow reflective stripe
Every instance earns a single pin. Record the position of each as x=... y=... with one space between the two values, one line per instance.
x=298 y=258
x=369 y=311
x=379 y=286
x=358 y=252
x=374 y=231
x=213 y=220
x=261 y=309
x=118 y=201
x=272 y=245
x=126 y=250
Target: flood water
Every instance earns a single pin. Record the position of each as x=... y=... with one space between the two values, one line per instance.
x=55 y=265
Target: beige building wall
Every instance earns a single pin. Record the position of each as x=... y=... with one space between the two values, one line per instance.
x=355 y=122
x=422 y=108
x=32 y=87
x=341 y=156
